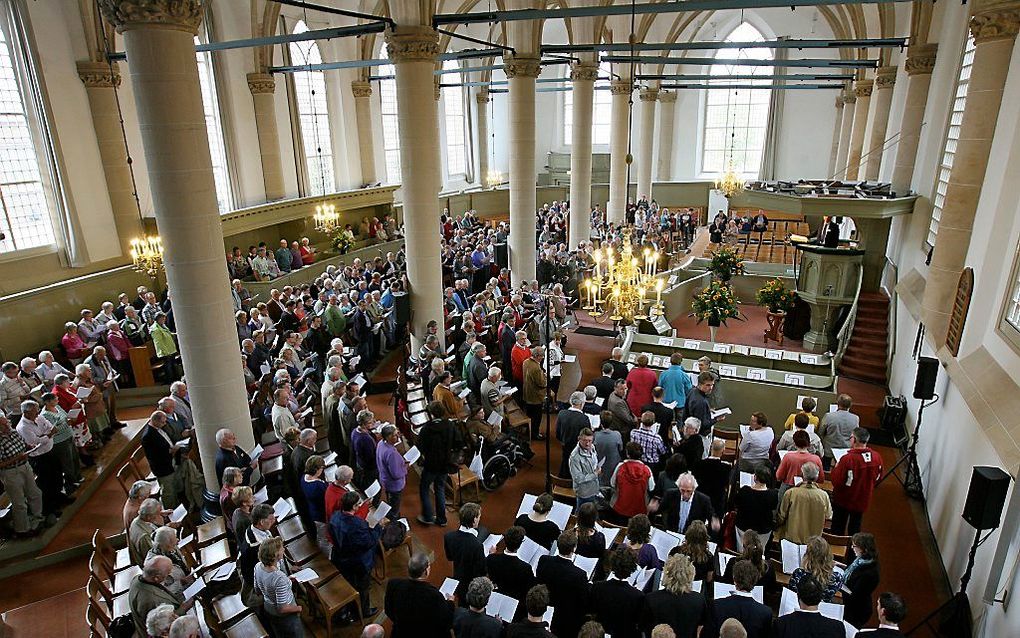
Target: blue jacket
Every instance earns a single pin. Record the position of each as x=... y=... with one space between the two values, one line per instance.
x=354 y=541
x=675 y=384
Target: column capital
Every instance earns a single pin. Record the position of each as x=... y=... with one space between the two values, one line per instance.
x=667 y=97
x=584 y=72
x=621 y=87
x=98 y=74
x=361 y=88
x=261 y=83
x=886 y=77
x=921 y=58
x=482 y=97
x=994 y=20
x=521 y=67
x=849 y=97
x=178 y=15
x=648 y=94
x=864 y=88
x=405 y=44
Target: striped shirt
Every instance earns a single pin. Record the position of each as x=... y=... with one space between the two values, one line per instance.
x=652 y=447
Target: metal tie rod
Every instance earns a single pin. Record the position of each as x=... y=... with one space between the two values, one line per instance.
x=863 y=43
x=651 y=59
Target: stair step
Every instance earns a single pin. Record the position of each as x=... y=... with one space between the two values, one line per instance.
x=871 y=331
x=869 y=341
x=873 y=297
x=862 y=376
x=872 y=321
x=865 y=355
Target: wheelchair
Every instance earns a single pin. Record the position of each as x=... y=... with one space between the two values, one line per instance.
x=500 y=461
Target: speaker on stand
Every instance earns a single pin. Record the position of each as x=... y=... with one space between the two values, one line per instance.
x=986 y=497
x=924 y=389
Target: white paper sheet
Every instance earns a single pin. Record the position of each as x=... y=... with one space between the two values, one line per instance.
x=491 y=541
x=728 y=370
x=600 y=401
x=449 y=587
x=756 y=374
x=262 y=495
x=256 y=452
x=663 y=542
x=792 y=555
x=179 y=513
x=595 y=420
x=774 y=354
x=609 y=533
x=194 y=589
x=530 y=552
x=665 y=341
x=692 y=344
x=495 y=419
x=722 y=348
x=793 y=379
x=569 y=358
x=839 y=453
x=281 y=508
x=721 y=412
x=379 y=513
x=373 y=489
x=305 y=575
x=83 y=392
x=746 y=478
x=722 y=590
x=223 y=572
x=502 y=607
x=412 y=455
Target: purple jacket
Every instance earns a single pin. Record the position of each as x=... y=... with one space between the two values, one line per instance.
x=392 y=468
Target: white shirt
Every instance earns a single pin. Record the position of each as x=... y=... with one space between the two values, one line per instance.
x=35 y=433
x=756 y=444
x=469 y=530
x=283 y=420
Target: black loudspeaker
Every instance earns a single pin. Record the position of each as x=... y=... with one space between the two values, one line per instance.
x=502 y=256
x=894 y=418
x=924 y=383
x=986 y=497
x=402 y=307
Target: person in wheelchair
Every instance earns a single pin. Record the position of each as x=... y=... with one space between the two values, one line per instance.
x=501 y=454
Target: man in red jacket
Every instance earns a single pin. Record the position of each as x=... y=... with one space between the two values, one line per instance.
x=853 y=483
x=518 y=355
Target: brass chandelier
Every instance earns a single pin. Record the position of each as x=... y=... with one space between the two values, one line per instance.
x=729 y=182
x=327 y=220
x=621 y=281
x=147 y=255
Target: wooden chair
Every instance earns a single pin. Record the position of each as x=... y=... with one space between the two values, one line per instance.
x=211 y=532
x=247 y=627
x=840 y=545
x=301 y=550
x=732 y=438
x=97 y=615
x=463 y=478
x=323 y=567
x=290 y=530
x=228 y=609
x=563 y=489
x=214 y=554
x=141 y=464
x=113 y=606
x=126 y=476
x=381 y=567
x=332 y=597
x=119 y=582
x=115 y=559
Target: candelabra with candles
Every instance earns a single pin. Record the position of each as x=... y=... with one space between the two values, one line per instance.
x=729 y=182
x=147 y=255
x=327 y=220
x=620 y=282
x=493 y=178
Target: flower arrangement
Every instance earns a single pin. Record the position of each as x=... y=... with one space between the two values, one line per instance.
x=775 y=296
x=343 y=239
x=716 y=303
x=725 y=263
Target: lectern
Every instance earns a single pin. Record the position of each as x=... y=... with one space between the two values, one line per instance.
x=827 y=279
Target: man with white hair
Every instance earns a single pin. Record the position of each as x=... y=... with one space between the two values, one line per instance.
x=48 y=368
x=686 y=504
x=160 y=450
x=18 y=481
x=143 y=528
x=491 y=398
x=147 y=592
x=477 y=371
x=569 y=423
x=333 y=374
x=620 y=369
x=164 y=543
x=13 y=390
x=804 y=508
x=159 y=621
x=283 y=419
x=229 y=455
x=182 y=406
x=38 y=435
x=104 y=376
x=186 y=627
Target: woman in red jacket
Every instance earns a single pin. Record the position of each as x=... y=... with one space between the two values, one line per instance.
x=632 y=482
x=640 y=383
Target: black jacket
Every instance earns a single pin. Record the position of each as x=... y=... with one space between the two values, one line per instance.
x=234 y=458
x=620 y=370
x=528 y=629
x=473 y=624
x=701 y=510
x=857 y=605
x=569 y=424
x=417 y=609
x=511 y=576
x=158 y=452
x=568 y=593
x=604 y=386
x=617 y=606
x=465 y=551
x=754 y=616
x=663 y=416
x=713 y=475
x=435 y=442
x=880 y=632
x=803 y=624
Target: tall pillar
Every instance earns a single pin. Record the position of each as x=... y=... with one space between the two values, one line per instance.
x=159 y=38
x=863 y=93
x=849 y=100
x=884 y=82
x=619 y=158
x=262 y=87
x=582 y=78
x=482 y=122
x=834 y=152
x=100 y=86
x=646 y=141
x=521 y=72
x=366 y=143
x=919 y=65
x=667 y=113
x=413 y=50
x=994 y=25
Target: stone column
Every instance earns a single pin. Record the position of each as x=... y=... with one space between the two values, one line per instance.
x=667 y=113
x=994 y=25
x=522 y=71
x=619 y=158
x=834 y=153
x=366 y=143
x=646 y=141
x=863 y=93
x=413 y=51
x=884 y=82
x=262 y=86
x=100 y=85
x=919 y=65
x=849 y=99
x=582 y=77
x=159 y=37
x=482 y=123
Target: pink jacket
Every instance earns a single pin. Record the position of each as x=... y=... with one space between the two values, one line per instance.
x=640 y=383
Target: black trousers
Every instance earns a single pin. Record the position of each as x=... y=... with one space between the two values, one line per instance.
x=845 y=522
x=534 y=412
x=50 y=479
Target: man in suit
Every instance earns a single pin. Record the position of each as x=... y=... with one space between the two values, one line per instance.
x=159 y=451
x=713 y=475
x=296 y=469
x=477 y=371
x=511 y=575
x=415 y=606
x=754 y=616
x=617 y=404
x=683 y=506
x=568 y=586
x=698 y=405
x=615 y=602
x=569 y=424
x=229 y=455
x=473 y=622
x=536 y=603
x=891 y=612
x=806 y=622
x=663 y=416
x=604 y=385
x=464 y=549
x=620 y=369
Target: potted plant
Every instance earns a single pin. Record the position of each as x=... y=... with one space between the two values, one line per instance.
x=778 y=300
x=715 y=304
x=725 y=263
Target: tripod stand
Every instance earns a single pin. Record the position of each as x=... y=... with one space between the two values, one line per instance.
x=912 y=479
x=956 y=618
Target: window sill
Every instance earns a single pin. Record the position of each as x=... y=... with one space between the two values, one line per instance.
x=28 y=253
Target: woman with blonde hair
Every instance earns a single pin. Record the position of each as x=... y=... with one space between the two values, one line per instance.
x=818 y=562
x=695 y=547
x=277 y=591
x=677 y=604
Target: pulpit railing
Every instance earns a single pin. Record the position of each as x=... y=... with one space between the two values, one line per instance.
x=847 y=331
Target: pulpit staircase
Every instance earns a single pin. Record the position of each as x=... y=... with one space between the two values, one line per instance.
x=865 y=355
